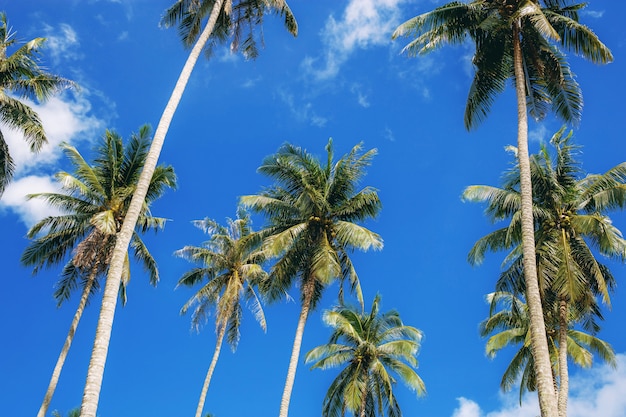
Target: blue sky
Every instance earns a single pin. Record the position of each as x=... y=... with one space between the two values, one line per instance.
x=342 y=77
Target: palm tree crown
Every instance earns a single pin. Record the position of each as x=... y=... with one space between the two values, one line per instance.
x=569 y=220
x=371 y=346
x=233 y=19
x=93 y=201
x=21 y=78
x=570 y=212
x=492 y=26
x=510 y=325
x=231 y=266
x=517 y=40
x=312 y=213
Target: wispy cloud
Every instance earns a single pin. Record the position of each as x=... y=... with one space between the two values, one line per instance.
x=594 y=14
x=303 y=112
x=600 y=391
x=364 y=23
x=62 y=43
x=538 y=134
x=361 y=96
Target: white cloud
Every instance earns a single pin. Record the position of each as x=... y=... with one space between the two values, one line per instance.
x=467 y=408
x=364 y=23
x=600 y=391
x=29 y=211
x=66 y=118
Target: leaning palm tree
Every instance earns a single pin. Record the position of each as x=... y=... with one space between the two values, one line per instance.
x=372 y=346
x=509 y=326
x=571 y=218
x=21 y=77
x=312 y=213
x=93 y=201
x=517 y=40
x=231 y=266
x=225 y=17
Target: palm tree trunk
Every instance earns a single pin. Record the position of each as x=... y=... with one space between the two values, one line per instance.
x=209 y=374
x=539 y=341
x=95 y=371
x=56 y=373
x=364 y=398
x=297 y=343
x=563 y=371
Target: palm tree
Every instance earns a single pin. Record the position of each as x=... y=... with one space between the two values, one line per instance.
x=312 y=214
x=518 y=40
x=21 y=77
x=94 y=200
x=231 y=265
x=510 y=327
x=224 y=18
x=570 y=215
x=371 y=346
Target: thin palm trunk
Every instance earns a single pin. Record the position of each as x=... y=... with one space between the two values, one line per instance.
x=56 y=373
x=209 y=374
x=295 y=351
x=364 y=397
x=95 y=371
x=563 y=371
x=539 y=341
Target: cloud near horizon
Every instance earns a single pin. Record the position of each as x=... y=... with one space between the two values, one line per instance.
x=600 y=391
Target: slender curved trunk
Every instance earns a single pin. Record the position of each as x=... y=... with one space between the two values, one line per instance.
x=95 y=371
x=539 y=341
x=295 y=351
x=209 y=374
x=563 y=371
x=56 y=373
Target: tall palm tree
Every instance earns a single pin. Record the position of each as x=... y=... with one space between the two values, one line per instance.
x=21 y=77
x=518 y=40
x=571 y=217
x=225 y=17
x=94 y=200
x=510 y=327
x=372 y=346
x=312 y=212
x=231 y=265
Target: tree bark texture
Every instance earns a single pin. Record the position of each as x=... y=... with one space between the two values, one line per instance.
x=539 y=341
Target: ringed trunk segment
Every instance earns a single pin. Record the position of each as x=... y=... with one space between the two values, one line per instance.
x=563 y=370
x=95 y=371
x=295 y=351
x=539 y=341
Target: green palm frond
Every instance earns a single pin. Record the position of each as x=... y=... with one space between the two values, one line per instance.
x=544 y=26
x=371 y=347
x=91 y=198
x=228 y=269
